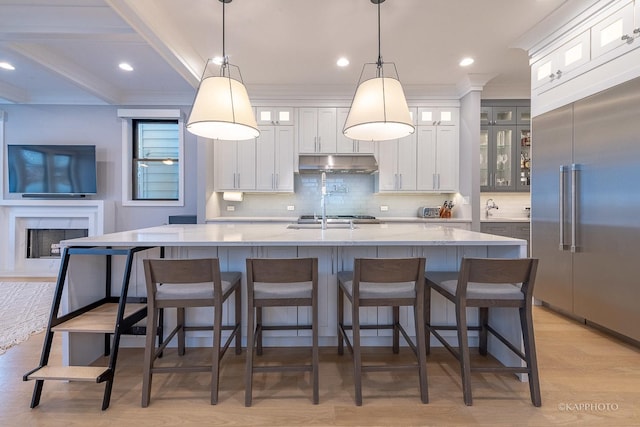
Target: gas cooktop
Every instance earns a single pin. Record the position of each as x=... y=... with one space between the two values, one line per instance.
x=356 y=219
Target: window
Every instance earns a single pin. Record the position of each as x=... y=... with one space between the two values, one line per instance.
x=152 y=157
x=156 y=157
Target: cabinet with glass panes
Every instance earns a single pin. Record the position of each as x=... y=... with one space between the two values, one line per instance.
x=505 y=145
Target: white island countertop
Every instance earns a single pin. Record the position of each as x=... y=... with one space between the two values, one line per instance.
x=281 y=235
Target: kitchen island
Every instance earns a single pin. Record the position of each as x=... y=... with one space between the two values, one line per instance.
x=335 y=248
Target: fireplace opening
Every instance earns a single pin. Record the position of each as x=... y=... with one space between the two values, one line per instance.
x=45 y=242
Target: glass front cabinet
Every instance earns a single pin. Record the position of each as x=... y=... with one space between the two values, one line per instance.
x=505 y=148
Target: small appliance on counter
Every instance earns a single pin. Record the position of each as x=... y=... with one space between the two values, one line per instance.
x=426 y=212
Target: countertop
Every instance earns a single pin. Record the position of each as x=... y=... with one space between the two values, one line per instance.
x=281 y=235
x=505 y=219
x=267 y=219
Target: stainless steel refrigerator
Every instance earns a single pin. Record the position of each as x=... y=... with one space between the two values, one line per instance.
x=585 y=208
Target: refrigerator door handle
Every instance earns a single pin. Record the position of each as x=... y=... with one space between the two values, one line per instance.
x=574 y=205
x=561 y=246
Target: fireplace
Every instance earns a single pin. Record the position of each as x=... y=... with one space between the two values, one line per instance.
x=34 y=229
x=45 y=242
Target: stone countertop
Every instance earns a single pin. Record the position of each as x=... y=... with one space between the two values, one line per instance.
x=266 y=219
x=505 y=219
x=281 y=235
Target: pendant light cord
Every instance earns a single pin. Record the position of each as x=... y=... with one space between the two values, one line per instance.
x=379 y=63
x=225 y=60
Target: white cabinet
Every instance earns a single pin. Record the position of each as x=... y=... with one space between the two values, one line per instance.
x=277 y=116
x=274 y=158
x=552 y=68
x=438 y=149
x=438 y=116
x=317 y=130
x=348 y=145
x=438 y=158
x=397 y=164
x=235 y=165
x=613 y=32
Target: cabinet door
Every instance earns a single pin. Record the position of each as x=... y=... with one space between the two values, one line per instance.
x=447 y=158
x=266 y=158
x=608 y=34
x=426 y=172
x=344 y=144
x=543 y=71
x=523 y=116
x=284 y=158
x=348 y=145
x=387 y=165
x=307 y=130
x=485 y=159
x=407 y=163
x=327 y=125
x=280 y=116
x=246 y=158
x=523 y=142
x=504 y=163
x=226 y=165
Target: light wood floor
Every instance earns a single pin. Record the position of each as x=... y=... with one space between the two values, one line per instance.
x=587 y=378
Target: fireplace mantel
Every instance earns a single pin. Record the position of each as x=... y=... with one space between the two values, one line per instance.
x=97 y=216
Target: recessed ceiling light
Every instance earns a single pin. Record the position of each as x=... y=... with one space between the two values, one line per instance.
x=7 y=66
x=342 y=62
x=124 y=66
x=466 y=62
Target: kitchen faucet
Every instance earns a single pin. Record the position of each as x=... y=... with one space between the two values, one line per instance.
x=490 y=205
x=323 y=201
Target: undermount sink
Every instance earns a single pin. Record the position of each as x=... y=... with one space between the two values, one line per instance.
x=319 y=226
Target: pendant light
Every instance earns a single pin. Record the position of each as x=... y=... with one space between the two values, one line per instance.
x=379 y=108
x=221 y=109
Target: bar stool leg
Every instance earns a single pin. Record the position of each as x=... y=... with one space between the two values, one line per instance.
x=149 y=352
x=315 y=362
x=181 y=332
x=340 y=321
x=357 y=354
x=422 y=352
x=526 y=321
x=465 y=360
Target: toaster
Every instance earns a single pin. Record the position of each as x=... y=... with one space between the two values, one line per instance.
x=425 y=212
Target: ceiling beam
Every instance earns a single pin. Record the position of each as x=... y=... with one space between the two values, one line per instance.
x=148 y=24
x=69 y=70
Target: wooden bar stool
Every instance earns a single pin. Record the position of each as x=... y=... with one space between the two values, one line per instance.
x=280 y=283
x=384 y=282
x=182 y=284
x=487 y=283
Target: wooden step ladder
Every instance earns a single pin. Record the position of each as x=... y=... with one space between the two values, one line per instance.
x=111 y=316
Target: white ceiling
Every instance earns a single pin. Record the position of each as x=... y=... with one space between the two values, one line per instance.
x=67 y=51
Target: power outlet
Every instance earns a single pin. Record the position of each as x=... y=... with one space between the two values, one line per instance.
x=231 y=208
x=291 y=208
x=384 y=208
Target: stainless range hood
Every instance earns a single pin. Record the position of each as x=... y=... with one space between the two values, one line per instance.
x=336 y=163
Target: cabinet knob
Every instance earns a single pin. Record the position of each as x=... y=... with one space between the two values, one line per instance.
x=636 y=31
x=559 y=73
x=627 y=38
x=552 y=76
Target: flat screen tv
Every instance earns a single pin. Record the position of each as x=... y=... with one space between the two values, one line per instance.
x=52 y=170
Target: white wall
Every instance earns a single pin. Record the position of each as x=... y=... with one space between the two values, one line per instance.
x=99 y=126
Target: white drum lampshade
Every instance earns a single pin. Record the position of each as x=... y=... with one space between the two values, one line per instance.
x=222 y=110
x=379 y=111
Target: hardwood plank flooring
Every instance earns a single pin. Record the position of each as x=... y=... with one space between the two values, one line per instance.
x=587 y=379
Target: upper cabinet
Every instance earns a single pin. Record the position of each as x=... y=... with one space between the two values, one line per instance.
x=235 y=165
x=347 y=145
x=438 y=149
x=556 y=66
x=317 y=130
x=276 y=116
x=614 y=31
x=505 y=146
x=274 y=159
x=397 y=165
x=593 y=51
x=427 y=160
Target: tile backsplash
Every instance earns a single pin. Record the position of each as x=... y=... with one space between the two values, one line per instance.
x=348 y=194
